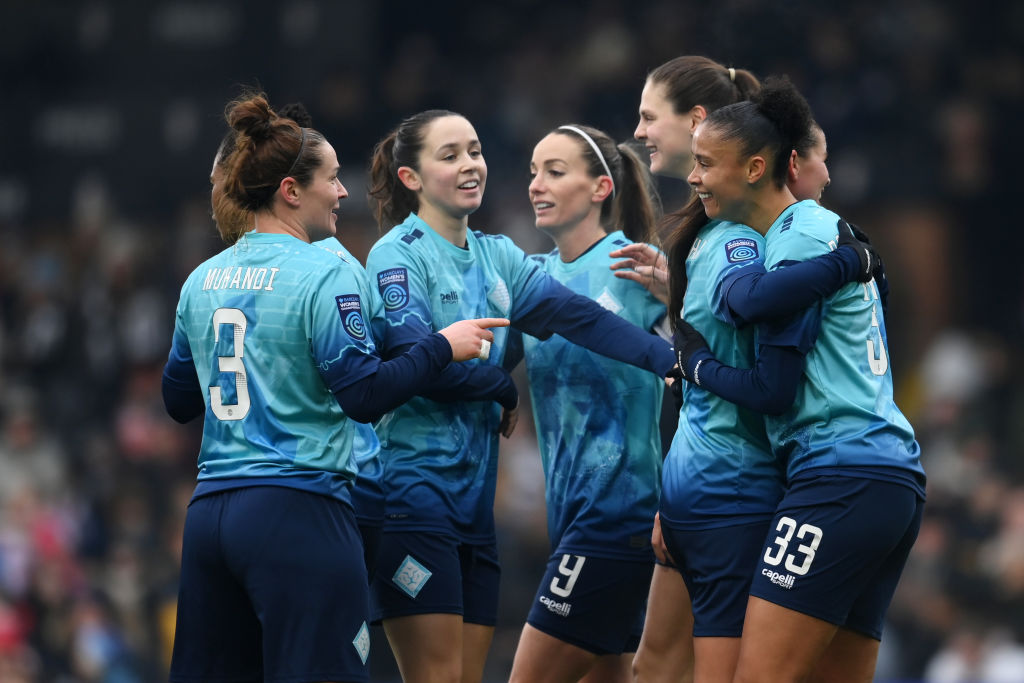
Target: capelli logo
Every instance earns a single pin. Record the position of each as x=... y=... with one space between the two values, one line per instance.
x=451 y=297
x=784 y=580
x=562 y=609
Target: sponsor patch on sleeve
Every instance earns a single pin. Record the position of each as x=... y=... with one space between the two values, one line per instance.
x=742 y=249
x=351 y=315
x=393 y=285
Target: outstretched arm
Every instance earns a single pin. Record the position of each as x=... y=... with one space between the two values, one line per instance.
x=770 y=386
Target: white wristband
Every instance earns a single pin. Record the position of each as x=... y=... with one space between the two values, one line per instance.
x=485 y=350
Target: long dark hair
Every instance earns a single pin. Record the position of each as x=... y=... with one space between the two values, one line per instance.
x=390 y=200
x=689 y=81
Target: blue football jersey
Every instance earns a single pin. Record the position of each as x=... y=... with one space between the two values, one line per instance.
x=368 y=493
x=273 y=326
x=844 y=415
x=440 y=458
x=596 y=419
x=720 y=469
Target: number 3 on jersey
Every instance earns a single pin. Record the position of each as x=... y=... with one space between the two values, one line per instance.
x=232 y=363
x=787 y=525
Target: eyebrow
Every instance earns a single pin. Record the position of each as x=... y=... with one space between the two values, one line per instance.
x=472 y=143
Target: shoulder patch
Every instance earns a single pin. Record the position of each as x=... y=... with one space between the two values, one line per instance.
x=742 y=249
x=351 y=315
x=413 y=236
x=393 y=285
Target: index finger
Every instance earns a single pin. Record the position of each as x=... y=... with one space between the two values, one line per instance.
x=492 y=322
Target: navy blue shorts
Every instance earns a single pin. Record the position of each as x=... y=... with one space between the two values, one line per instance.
x=429 y=573
x=716 y=565
x=836 y=549
x=594 y=603
x=273 y=588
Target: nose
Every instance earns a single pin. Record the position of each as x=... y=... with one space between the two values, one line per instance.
x=535 y=184
x=342 y=192
x=694 y=178
x=641 y=131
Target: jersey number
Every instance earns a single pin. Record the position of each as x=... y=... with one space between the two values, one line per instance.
x=570 y=574
x=878 y=362
x=233 y=363
x=787 y=525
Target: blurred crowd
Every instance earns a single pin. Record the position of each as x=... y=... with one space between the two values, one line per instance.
x=114 y=114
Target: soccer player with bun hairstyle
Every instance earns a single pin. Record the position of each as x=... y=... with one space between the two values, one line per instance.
x=232 y=222
x=437 y=579
x=720 y=481
x=601 y=456
x=854 y=489
x=271 y=346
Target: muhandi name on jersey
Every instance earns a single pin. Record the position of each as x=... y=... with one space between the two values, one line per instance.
x=237 y=277
x=742 y=249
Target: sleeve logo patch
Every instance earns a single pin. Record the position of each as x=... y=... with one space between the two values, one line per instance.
x=741 y=250
x=394 y=288
x=351 y=315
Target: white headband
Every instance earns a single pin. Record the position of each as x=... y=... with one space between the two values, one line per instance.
x=597 y=151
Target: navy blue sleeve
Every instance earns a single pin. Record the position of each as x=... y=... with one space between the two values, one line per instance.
x=183 y=397
x=754 y=295
x=395 y=381
x=514 y=350
x=586 y=323
x=472 y=382
x=768 y=388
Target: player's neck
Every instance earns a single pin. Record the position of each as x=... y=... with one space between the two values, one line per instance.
x=574 y=242
x=270 y=223
x=767 y=208
x=447 y=226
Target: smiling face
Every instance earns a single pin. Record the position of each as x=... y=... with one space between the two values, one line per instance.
x=665 y=133
x=808 y=176
x=452 y=171
x=562 y=191
x=719 y=175
x=322 y=196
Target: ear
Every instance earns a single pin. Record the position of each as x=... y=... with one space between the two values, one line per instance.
x=793 y=171
x=289 y=191
x=697 y=114
x=603 y=190
x=756 y=168
x=410 y=178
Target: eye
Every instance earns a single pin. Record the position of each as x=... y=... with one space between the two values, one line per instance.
x=557 y=174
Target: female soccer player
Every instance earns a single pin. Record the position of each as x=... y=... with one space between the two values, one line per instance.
x=720 y=480
x=854 y=484
x=437 y=579
x=601 y=456
x=232 y=222
x=270 y=345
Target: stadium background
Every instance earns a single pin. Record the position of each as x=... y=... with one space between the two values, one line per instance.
x=112 y=113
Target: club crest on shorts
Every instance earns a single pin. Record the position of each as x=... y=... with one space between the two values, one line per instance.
x=393 y=285
x=411 y=576
x=362 y=642
x=351 y=315
x=742 y=249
